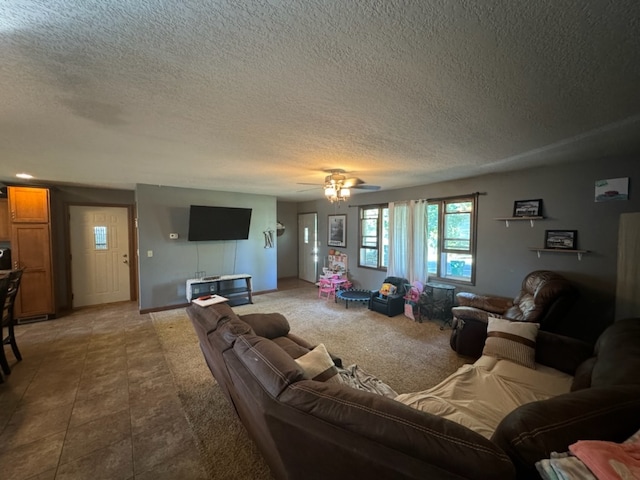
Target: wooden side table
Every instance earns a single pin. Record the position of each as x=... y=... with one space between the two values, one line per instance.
x=436 y=302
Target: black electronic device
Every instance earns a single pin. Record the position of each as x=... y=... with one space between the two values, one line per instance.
x=5 y=260
x=218 y=223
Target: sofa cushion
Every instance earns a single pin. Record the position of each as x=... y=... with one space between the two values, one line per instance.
x=561 y=352
x=269 y=364
x=268 y=325
x=318 y=365
x=479 y=396
x=229 y=329
x=618 y=358
x=582 y=377
x=514 y=341
x=293 y=348
x=206 y=319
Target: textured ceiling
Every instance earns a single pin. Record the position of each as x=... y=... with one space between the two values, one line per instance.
x=258 y=96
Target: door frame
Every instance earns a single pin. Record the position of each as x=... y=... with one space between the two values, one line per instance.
x=133 y=247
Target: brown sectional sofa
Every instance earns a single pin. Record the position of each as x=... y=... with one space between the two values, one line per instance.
x=308 y=429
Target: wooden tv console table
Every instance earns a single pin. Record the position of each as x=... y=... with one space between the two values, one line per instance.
x=237 y=288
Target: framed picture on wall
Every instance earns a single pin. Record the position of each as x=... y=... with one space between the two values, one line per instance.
x=337 y=229
x=527 y=208
x=561 y=239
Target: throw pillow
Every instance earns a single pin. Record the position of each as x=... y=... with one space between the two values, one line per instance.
x=318 y=365
x=388 y=289
x=510 y=340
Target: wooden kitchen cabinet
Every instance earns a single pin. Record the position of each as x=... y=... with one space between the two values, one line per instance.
x=31 y=250
x=29 y=204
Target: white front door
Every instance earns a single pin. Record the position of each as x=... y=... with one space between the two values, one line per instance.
x=99 y=254
x=308 y=246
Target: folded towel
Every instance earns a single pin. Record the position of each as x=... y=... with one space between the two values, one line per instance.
x=605 y=460
x=609 y=460
x=562 y=466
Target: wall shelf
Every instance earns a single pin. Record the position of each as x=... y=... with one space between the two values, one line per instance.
x=506 y=220
x=559 y=250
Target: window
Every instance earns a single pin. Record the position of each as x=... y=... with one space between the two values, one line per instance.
x=374 y=237
x=100 y=238
x=451 y=232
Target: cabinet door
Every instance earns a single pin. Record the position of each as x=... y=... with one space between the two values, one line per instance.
x=29 y=204
x=5 y=229
x=31 y=250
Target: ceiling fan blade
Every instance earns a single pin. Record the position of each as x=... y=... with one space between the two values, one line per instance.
x=366 y=187
x=352 y=182
x=306 y=183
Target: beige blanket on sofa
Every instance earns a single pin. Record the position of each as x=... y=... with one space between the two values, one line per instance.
x=480 y=395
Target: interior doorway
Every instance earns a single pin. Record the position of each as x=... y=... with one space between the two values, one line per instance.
x=308 y=247
x=101 y=262
x=628 y=276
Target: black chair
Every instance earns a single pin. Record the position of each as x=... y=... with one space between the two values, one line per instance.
x=390 y=305
x=8 y=320
x=4 y=290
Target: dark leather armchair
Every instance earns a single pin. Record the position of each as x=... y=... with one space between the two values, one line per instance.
x=545 y=298
x=390 y=305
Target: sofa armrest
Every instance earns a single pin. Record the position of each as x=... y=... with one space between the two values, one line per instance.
x=471 y=313
x=532 y=431
x=468 y=334
x=484 y=302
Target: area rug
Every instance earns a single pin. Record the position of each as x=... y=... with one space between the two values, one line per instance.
x=408 y=355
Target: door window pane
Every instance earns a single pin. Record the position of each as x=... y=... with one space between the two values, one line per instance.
x=100 y=238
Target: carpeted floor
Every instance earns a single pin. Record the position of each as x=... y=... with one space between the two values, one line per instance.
x=409 y=356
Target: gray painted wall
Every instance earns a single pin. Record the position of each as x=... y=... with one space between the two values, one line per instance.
x=503 y=257
x=164 y=210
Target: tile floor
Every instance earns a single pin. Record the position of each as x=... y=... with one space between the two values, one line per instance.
x=93 y=399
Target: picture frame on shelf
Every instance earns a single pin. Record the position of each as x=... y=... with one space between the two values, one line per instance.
x=561 y=239
x=527 y=208
x=337 y=231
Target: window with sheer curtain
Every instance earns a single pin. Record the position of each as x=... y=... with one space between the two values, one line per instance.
x=421 y=239
x=407 y=240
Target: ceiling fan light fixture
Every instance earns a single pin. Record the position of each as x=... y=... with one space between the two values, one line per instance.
x=336 y=193
x=337 y=187
x=330 y=191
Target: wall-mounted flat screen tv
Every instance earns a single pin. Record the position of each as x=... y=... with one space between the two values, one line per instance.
x=218 y=223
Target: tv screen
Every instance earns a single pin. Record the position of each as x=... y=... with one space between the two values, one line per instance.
x=218 y=223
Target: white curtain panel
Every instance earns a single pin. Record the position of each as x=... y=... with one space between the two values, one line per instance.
x=419 y=263
x=399 y=235
x=628 y=280
x=407 y=240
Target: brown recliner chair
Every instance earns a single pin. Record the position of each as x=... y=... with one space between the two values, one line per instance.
x=545 y=298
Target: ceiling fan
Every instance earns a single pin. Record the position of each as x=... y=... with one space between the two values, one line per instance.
x=337 y=186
